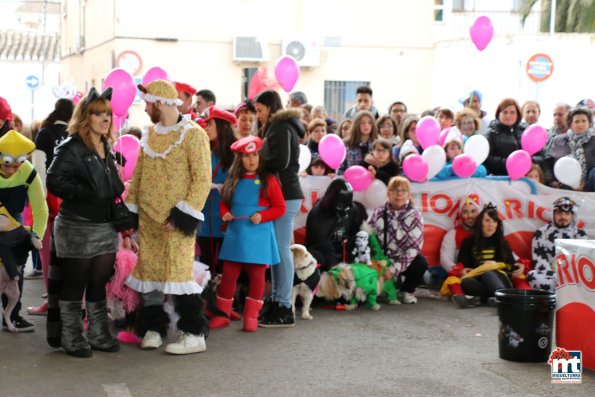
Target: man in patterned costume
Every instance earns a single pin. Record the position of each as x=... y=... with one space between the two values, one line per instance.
x=170 y=185
x=564 y=224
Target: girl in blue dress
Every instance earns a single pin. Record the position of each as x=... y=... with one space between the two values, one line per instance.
x=250 y=200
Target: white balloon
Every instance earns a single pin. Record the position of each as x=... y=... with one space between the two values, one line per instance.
x=478 y=147
x=568 y=171
x=376 y=194
x=305 y=158
x=435 y=156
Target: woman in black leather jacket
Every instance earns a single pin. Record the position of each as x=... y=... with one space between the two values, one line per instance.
x=84 y=175
x=504 y=136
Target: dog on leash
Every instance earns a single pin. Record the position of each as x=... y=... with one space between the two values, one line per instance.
x=10 y=288
x=354 y=283
x=305 y=280
x=13 y=236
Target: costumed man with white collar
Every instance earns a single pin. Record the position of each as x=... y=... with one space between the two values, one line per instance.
x=170 y=185
x=564 y=225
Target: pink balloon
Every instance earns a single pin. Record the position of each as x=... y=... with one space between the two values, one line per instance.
x=533 y=139
x=124 y=90
x=415 y=168
x=287 y=72
x=155 y=73
x=443 y=135
x=482 y=32
x=464 y=165
x=359 y=177
x=128 y=146
x=332 y=150
x=518 y=164
x=427 y=131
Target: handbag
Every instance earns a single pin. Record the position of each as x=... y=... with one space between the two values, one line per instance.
x=122 y=217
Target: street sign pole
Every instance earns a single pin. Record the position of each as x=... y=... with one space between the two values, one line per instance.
x=33 y=83
x=32 y=105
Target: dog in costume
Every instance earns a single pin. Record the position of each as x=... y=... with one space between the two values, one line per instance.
x=19 y=183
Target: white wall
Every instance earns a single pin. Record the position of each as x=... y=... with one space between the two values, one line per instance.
x=499 y=71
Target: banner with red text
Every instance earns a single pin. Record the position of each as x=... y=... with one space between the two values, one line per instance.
x=575 y=294
x=522 y=205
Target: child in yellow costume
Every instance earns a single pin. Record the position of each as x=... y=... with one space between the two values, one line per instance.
x=19 y=182
x=170 y=185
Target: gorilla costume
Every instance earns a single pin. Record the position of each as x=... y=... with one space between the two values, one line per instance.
x=333 y=221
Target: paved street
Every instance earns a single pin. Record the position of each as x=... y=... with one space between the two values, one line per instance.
x=428 y=349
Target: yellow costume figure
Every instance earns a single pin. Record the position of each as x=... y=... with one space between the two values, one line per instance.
x=19 y=182
x=170 y=185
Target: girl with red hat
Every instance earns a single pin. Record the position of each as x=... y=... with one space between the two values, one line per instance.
x=251 y=200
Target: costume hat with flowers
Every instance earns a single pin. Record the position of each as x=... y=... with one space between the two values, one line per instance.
x=186 y=88
x=160 y=90
x=213 y=112
x=247 y=145
x=14 y=147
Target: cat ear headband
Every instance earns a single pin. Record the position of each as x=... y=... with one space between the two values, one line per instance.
x=94 y=95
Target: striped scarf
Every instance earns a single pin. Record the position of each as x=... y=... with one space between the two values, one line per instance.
x=576 y=142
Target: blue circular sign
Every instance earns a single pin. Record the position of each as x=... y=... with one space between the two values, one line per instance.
x=32 y=82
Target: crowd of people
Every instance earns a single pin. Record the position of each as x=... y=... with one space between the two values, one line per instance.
x=223 y=186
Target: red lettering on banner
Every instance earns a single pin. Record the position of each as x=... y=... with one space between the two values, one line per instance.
x=564 y=276
x=531 y=210
x=585 y=262
x=434 y=203
x=424 y=202
x=576 y=270
x=454 y=209
x=513 y=208
x=540 y=214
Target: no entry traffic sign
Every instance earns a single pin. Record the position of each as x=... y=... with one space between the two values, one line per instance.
x=540 y=67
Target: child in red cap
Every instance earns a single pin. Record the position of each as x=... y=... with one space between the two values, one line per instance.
x=251 y=199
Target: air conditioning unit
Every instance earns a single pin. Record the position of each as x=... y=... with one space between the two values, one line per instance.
x=306 y=51
x=250 y=49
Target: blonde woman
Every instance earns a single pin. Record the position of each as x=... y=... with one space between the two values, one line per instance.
x=400 y=230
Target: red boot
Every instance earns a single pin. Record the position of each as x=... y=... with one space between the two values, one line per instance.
x=251 y=310
x=218 y=322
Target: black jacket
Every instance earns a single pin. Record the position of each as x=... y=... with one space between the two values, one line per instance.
x=281 y=150
x=87 y=184
x=503 y=140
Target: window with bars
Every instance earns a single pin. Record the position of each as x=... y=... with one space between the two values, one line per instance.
x=339 y=96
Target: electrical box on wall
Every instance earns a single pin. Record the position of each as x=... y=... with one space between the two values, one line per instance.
x=306 y=51
x=250 y=49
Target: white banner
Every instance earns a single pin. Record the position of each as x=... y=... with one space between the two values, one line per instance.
x=523 y=206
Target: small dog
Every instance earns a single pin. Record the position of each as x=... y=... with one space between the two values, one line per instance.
x=10 y=288
x=305 y=280
x=354 y=283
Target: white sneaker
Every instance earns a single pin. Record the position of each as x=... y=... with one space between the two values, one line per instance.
x=407 y=297
x=151 y=341
x=187 y=344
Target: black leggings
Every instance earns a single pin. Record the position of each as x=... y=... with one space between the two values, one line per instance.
x=414 y=275
x=485 y=285
x=86 y=274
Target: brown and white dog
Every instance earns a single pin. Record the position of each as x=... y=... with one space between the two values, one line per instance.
x=10 y=288
x=305 y=280
x=340 y=282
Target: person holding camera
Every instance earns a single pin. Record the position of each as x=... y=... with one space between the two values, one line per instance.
x=84 y=175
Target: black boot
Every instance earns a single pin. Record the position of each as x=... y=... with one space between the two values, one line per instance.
x=98 y=333
x=73 y=340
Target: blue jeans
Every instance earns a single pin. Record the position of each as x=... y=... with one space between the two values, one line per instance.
x=282 y=273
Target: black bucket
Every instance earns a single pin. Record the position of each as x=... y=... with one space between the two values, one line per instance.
x=526 y=324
